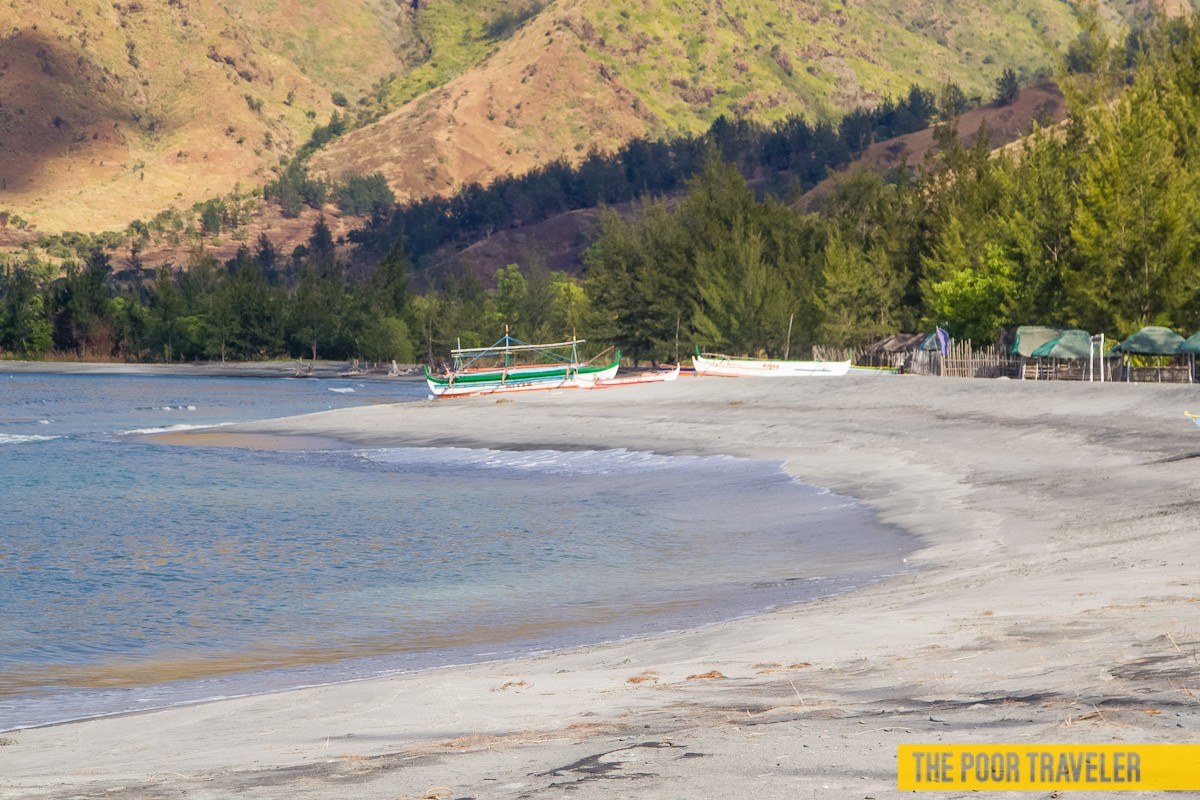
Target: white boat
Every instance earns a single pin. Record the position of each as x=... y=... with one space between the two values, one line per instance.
x=732 y=367
x=596 y=381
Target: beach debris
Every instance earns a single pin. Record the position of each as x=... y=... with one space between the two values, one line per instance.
x=771 y=667
x=6 y=742
x=513 y=684
x=437 y=793
x=645 y=676
x=712 y=675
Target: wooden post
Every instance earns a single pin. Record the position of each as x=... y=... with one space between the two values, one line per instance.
x=787 y=348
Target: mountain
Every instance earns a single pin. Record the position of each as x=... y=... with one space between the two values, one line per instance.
x=114 y=111
x=593 y=73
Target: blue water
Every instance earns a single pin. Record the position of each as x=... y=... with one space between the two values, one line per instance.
x=136 y=573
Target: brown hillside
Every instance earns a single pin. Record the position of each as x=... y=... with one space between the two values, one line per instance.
x=111 y=111
x=285 y=233
x=558 y=243
x=538 y=98
x=1041 y=104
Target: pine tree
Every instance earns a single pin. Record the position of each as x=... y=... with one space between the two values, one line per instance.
x=861 y=296
x=1134 y=223
x=619 y=310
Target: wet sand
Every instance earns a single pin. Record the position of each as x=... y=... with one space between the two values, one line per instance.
x=1058 y=601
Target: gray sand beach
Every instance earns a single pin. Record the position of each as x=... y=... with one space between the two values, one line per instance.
x=1057 y=600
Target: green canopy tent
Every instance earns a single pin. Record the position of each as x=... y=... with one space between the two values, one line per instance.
x=1152 y=340
x=1190 y=347
x=1030 y=337
x=1071 y=346
x=1027 y=339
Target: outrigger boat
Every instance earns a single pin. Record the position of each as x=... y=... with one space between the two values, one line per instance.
x=733 y=367
x=474 y=373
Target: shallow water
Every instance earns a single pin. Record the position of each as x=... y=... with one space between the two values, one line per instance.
x=135 y=573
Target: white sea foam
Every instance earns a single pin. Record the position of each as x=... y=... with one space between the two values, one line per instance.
x=555 y=462
x=171 y=429
x=342 y=389
x=15 y=438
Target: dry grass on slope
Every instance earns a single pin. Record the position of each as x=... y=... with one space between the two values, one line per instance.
x=114 y=111
x=538 y=98
x=1041 y=104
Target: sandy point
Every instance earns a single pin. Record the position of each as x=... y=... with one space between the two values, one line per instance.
x=1058 y=602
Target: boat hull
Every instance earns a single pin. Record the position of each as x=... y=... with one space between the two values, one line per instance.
x=726 y=367
x=517 y=381
x=595 y=382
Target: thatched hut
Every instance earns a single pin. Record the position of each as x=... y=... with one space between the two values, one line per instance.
x=893 y=352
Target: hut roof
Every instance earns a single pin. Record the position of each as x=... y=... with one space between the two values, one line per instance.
x=1031 y=337
x=1152 y=341
x=1068 y=344
x=1191 y=344
x=929 y=341
x=898 y=343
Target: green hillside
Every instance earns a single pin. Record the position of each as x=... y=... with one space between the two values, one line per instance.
x=689 y=62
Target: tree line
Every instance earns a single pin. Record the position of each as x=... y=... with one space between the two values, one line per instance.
x=262 y=305
x=258 y=305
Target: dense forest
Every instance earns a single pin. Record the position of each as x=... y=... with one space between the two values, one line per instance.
x=1091 y=223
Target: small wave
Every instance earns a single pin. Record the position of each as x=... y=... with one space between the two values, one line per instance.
x=168 y=408
x=555 y=462
x=14 y=438
x=171 y=429
x=342 y=389
x=43 y=422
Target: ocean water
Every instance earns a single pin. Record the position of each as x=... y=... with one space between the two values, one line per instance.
x=138 y=574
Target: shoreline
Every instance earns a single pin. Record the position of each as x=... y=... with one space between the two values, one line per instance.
x=295 y=368
x=1055 y=602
